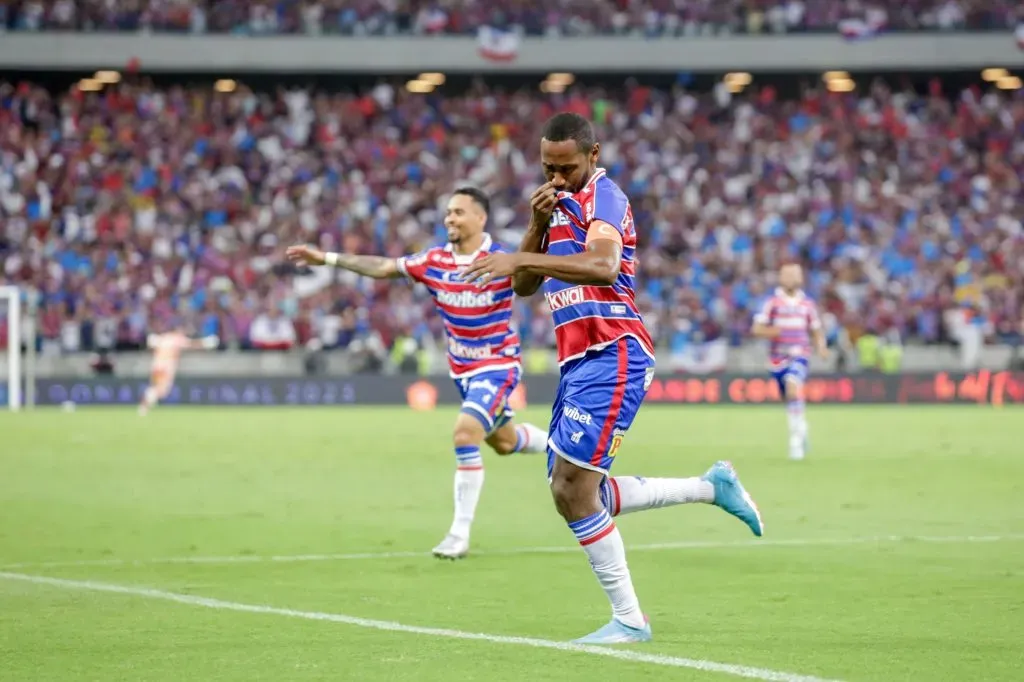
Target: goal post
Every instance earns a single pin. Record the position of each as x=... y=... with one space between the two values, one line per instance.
x=20 y=370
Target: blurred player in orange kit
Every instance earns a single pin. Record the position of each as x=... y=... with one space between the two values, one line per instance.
x=167 y=349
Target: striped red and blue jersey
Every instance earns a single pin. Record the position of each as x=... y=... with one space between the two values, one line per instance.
x=795 y=317
x=478 y=321
x=593 y=317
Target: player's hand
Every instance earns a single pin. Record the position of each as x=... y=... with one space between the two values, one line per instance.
x=303 y=254
x=543 y=202
x=493 y=266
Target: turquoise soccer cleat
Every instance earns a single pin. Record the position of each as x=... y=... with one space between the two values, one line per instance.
x=617 y=632
x=732 y=497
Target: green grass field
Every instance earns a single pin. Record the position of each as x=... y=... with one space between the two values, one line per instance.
x=895 y=552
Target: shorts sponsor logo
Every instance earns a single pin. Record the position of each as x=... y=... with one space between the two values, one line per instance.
x=577 y=415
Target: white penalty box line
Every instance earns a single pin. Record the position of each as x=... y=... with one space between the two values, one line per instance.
x=663 y=546
x=391 y=626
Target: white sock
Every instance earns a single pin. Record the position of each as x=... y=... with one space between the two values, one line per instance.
x=469 y=481
x=625 y=494
x=531 y=440
x=797 y=420
x=601 y=541
x=150 y=398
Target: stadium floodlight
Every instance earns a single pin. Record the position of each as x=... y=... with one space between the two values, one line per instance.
x=552 y=87
x=829 y=76
x=19 y=374
x=1009 y=83
x=418 y=86
x=841 y=85
x=738 y=79
x=993 y=75
x=434 y=79
x=108 y=77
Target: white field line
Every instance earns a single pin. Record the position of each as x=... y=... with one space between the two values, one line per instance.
x=390 y=626
x=572 y=549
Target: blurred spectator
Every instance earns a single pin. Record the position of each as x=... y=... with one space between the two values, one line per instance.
x=272 y=331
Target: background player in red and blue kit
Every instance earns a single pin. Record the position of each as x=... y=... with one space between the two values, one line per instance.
x=789 y=320
x=580 y=246
x=483 y=349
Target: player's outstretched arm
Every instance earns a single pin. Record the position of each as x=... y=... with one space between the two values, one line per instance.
x=377 y=267
x=764 y=331
x=820 y=342
x=597 y=266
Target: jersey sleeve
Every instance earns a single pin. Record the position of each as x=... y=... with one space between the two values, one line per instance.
x=764 y=316
x=415 y=266
x=611 y=206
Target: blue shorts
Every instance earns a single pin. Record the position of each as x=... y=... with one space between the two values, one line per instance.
x=598 y=398
x=795 y=369
x=485 y=396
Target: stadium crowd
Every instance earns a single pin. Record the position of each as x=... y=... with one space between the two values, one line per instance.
x=532 y=17
x=137 y=207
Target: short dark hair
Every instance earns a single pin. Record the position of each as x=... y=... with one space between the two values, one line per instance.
x=569 y=126
x=477 y=196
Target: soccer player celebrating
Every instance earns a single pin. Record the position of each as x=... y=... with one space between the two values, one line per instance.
x=789 y=320
x=580 y=247
x=167 y=349
x=483 y=349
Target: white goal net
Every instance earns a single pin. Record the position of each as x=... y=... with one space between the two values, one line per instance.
x=17 y=339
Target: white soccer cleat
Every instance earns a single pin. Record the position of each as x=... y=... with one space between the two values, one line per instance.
x=797 y=449
x=452 y=547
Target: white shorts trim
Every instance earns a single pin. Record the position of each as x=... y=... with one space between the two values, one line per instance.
x=488 y=368
x=573 y=460
x=482 y=411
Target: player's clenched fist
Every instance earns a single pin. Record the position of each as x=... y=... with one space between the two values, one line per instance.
x=543 y=202
x=303 y=254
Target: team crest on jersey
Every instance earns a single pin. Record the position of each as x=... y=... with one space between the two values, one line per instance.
x=627 y=222
x=559 y=218
x=617 y=437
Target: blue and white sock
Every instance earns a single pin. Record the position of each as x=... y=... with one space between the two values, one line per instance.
x=469 y=481
x=531 y=440
x=600 y=539
x=625 y=494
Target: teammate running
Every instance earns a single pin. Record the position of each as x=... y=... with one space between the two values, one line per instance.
x=167 y=349
x=789 y=320
x=580 y=246
x=483 y=349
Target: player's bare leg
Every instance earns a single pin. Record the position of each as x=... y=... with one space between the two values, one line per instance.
x=518 y=438
x=159 y=388
x=795 y=409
